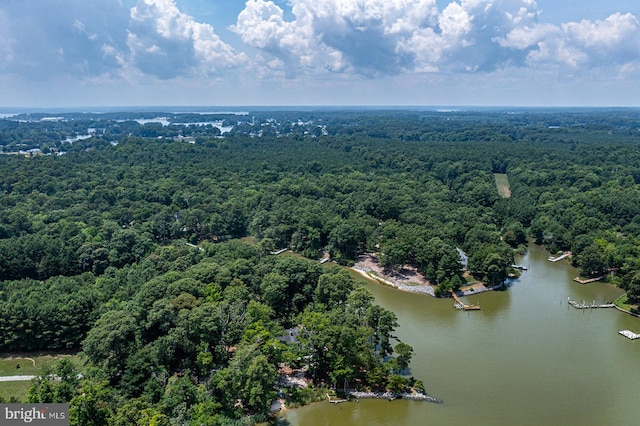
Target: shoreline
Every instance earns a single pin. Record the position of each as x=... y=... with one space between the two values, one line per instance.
x=279 y=406
x=419 y=288
x=618 y=308
x=391 y=396
x=423 y=289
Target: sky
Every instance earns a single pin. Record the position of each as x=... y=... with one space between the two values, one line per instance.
x=80 y=53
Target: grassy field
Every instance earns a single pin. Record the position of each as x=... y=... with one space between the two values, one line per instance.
x=30 y=365
x=16 y=390
x=502 y=183
x=623 y=303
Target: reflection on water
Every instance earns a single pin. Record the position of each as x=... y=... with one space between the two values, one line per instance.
x=526 y=358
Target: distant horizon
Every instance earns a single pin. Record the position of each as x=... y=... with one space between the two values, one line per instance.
x=234 y=109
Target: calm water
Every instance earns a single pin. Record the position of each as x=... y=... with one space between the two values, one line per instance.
x=527 y=358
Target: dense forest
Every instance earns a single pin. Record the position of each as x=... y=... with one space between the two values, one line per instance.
x=121 y=235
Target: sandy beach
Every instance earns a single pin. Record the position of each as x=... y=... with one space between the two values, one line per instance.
x=406 y=279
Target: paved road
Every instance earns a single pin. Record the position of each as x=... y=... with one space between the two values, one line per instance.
x=16 y=378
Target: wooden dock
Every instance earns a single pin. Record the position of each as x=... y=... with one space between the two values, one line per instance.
x=335 y=401
x=275 y=253
x=629 y=334
x=593 y=305
x=589 y=280
x=461 y=305
x=559 y=258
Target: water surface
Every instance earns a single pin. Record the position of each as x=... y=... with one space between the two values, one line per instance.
x=527 y=358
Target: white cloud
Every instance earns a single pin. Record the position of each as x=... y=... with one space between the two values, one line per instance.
x=614 y=30
x=106 y=38
x=261 y=25
x=332 y=42
x=285 y=47
x=380 y=37
x=454 y=22
x=614 y=41
x=63 y=37
x=335 y=35
x=390 y=37
x=167 y=43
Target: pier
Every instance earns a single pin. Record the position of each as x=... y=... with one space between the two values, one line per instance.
x=585 y=305
x=335 y=401
x=559 y=258
x=629 y=334
x=461 y=305
x=391 y=396
x=589 y=280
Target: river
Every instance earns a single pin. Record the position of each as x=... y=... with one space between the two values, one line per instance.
x=527 y=358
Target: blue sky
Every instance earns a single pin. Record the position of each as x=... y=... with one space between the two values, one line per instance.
x=319 y=52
